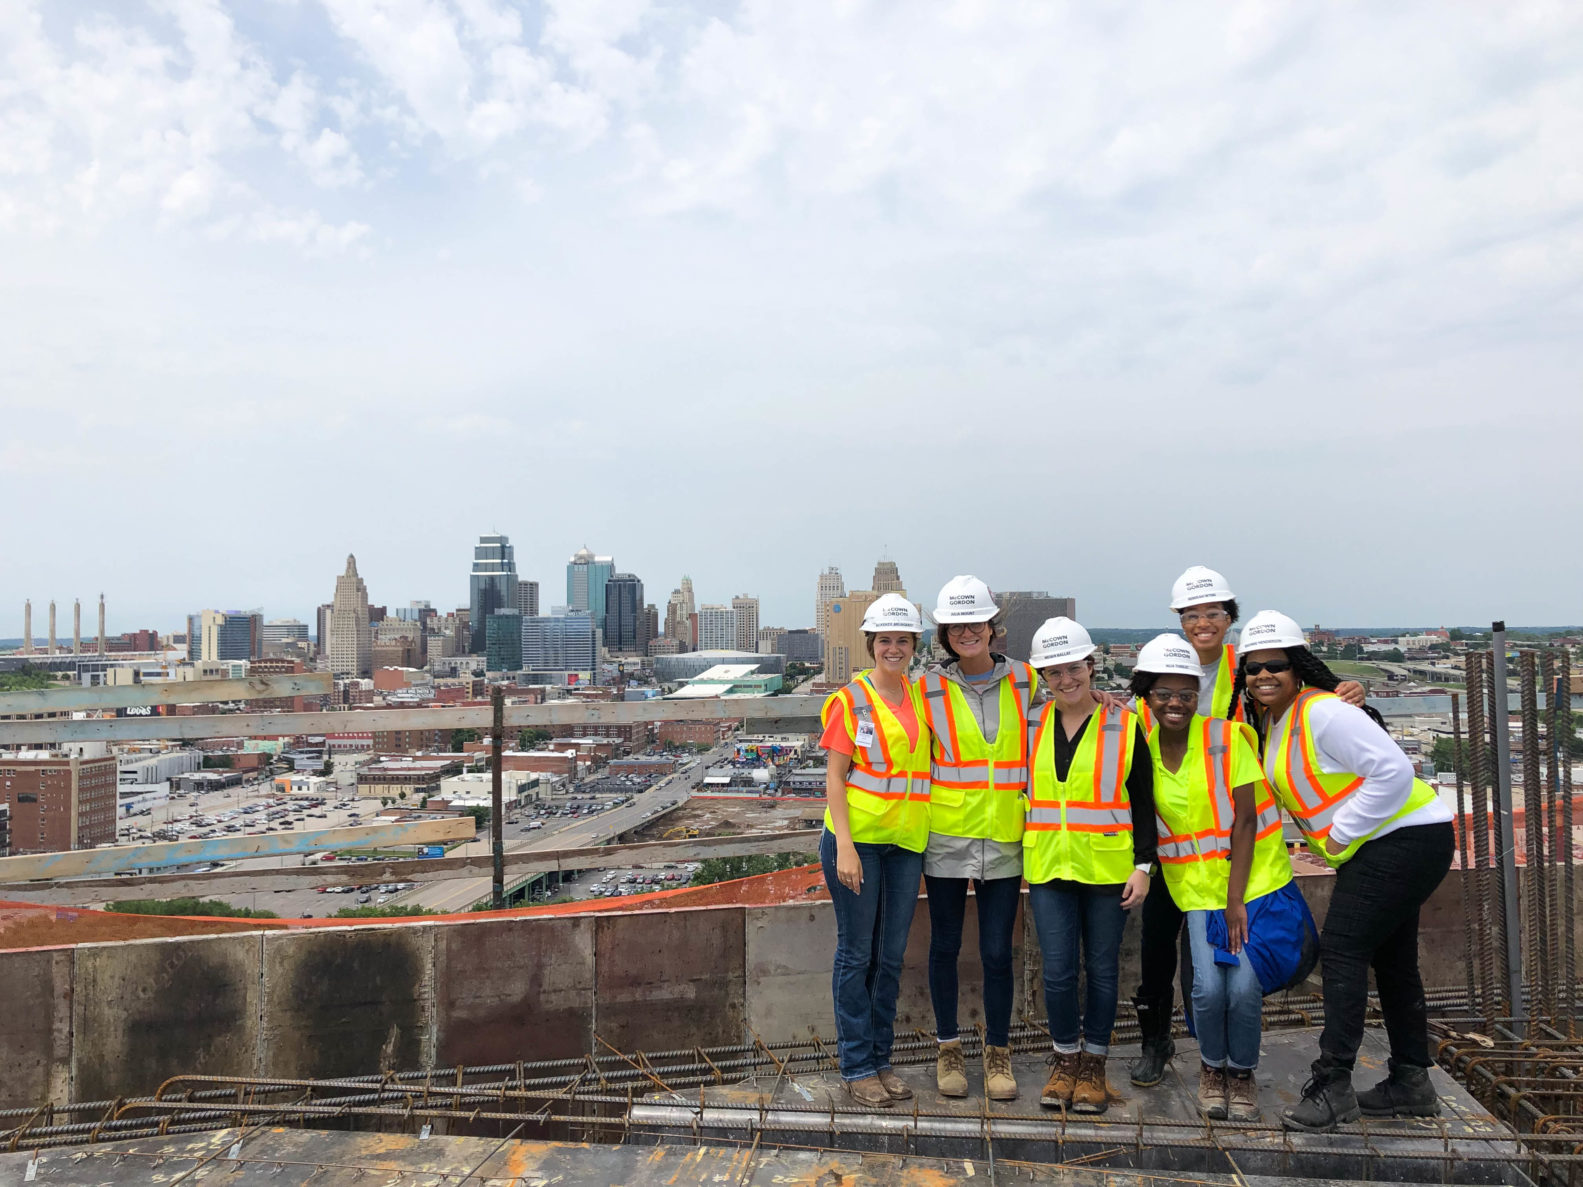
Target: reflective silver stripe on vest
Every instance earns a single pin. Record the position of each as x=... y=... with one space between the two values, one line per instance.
x=1114 y=740
x=888 y=786
x=1106 y=819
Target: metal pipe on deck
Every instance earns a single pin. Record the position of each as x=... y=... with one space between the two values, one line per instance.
x=1506 y=843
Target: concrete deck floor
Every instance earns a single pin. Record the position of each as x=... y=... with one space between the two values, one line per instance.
x=1156 y=1129
x=321 y=1158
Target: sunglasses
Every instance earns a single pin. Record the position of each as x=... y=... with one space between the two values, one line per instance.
x=1274 y=667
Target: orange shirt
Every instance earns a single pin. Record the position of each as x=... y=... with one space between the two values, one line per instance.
x=838 y=739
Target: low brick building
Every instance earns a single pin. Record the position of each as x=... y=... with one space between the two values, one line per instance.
x=58 y=801
x=699 y=733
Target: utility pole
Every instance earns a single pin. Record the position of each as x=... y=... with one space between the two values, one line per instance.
x=497 y=828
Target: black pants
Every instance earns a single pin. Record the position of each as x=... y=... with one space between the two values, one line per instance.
x=1163 y=937
x=1373 y=921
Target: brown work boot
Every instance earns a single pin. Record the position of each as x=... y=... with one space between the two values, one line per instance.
x=895 y=1087
x=950 y=1070
x=868 y=1092
x=1091 y=1094
x=1212 y=1092
x=1057 y=1092
x=1242 y=1098
x=999 y=1083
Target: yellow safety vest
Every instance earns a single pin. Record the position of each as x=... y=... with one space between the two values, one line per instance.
x=887 y=785
x=1080 y=828
x=1311 y=795
x=1194 y=848
x=976 y=789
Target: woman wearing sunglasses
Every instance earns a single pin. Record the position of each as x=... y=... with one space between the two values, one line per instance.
x=1086 y=854
x=1223 y=861
x=1352 y=792
x=976 y=706
x=1206 y=609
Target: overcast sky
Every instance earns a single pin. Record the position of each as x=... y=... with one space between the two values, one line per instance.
x=1066 y=296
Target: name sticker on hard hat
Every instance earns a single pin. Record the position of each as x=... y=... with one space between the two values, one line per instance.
x=865 y=733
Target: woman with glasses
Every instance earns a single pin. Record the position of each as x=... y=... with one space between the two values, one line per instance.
x=976 y=706
x=1352 y=792
x=1086 y=851
x=1206 y=609
x=1223 y=860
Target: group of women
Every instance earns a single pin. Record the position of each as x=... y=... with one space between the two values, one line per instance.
x=986 y=771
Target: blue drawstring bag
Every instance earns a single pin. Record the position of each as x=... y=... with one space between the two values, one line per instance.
x=1283 y=943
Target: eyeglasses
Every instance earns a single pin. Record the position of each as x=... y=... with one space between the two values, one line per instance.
x=1164 y=696
x=1194 y=617
x=1065 y=672
x=966 y=628
x=1274 y=667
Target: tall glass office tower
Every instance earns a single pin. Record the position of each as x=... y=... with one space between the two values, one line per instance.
x=586 y=575
x=492 y=586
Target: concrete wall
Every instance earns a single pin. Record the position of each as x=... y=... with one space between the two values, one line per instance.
x=100 y=1020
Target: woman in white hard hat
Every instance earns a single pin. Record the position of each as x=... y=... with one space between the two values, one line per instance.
x=1206 y=608
x=1352 y=791
x=1088 y=844
x=876 y=824
x=976 y=705
x=1224 y=864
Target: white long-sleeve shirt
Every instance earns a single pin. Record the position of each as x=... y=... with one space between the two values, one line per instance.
x=1346 y=739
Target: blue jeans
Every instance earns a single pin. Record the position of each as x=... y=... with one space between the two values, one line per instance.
x=997 y=924
x=1065 y=913
x=871 y=938
x=1228 y=1003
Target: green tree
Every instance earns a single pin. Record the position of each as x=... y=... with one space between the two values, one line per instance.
x=532 y=739
x=460 y=738
x=727 y=869
x=382 y=911
x=328 y=768
x=188 y=906
x=480 y=817
x=1444 y=755
x=24 y=679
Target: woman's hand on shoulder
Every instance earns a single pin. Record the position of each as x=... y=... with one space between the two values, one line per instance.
x=1351 y=692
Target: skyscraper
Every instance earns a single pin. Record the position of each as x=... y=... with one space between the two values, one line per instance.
x=586 y=575
x=1023 y=612
x=717 y=629
x=886 y=578
x=351 y=648
x=560 y=643
x=681 y=616
x=528 y=598
x=745 y=610
x=225 y=635
x=492 y=586
x=624 y=615
x=830 y=586
x=503 y=641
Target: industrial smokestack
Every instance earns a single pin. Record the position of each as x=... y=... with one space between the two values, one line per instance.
x=27 y=627
x=51 y=650
x=101 y=624
x=76 y=626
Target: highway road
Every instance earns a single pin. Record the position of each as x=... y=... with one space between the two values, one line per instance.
x=459 y=894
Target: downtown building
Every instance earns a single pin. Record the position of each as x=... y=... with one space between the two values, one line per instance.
x=350 y=646
x=586 y=577
x=625 y=622
x=225 y=635
x=845 y=650
x=58 y=801
x=491 y=586
x=1023 y=612
x=560 y=648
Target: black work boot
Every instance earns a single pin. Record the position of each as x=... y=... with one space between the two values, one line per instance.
x=1154 y=1023
x=1406 y=1092
x=1327 y=1101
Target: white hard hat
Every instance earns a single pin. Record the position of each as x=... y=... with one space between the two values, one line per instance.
x=892 y=612
x=964 y=599
x=1270 y=628
x=1059 y=641
x=1197 y=586
x=1169 y=655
